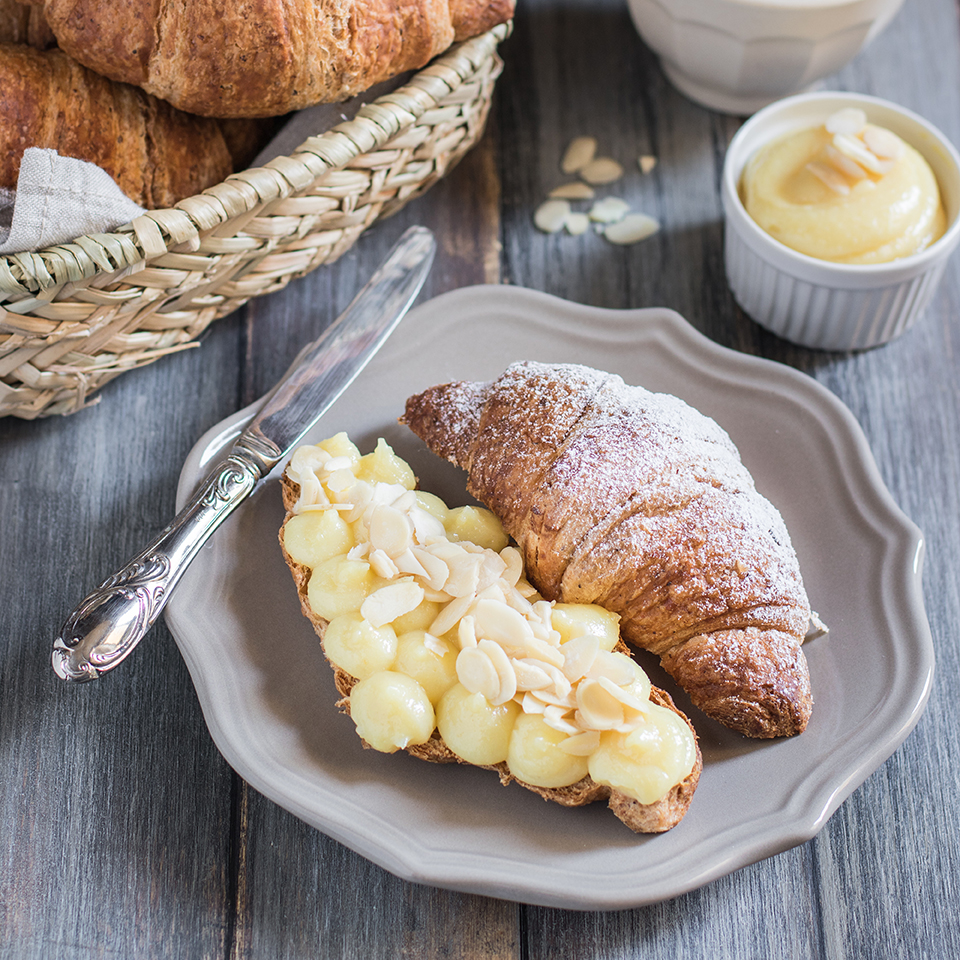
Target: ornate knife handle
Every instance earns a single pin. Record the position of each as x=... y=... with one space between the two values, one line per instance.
x=112 y=620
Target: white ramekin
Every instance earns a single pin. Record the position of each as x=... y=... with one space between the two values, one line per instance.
x=739 y=55
x=816 y=303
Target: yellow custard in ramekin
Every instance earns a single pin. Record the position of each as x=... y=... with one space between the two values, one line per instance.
x=845 y=191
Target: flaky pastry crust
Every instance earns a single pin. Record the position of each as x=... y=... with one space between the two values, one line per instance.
x=635 y=501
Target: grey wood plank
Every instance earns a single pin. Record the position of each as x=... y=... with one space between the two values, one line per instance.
x=114 y=803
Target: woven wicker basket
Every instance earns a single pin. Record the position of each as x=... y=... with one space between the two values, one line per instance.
x=77 y=315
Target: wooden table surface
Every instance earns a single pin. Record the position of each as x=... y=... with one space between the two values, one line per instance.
x=124 y=833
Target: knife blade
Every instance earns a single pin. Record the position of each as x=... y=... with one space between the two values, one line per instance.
x=109 y=623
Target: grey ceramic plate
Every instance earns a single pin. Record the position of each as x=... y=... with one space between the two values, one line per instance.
x=268 y=696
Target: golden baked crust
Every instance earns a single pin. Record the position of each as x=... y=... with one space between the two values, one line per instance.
x=637 y=502
x=641 y=818
x=157 y=155
x=261 y=58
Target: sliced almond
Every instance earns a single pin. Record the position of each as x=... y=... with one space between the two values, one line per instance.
x=579 y=152
x=392 y=601
x=338 y=463
x=555 y=717
x=435 y=645
x=342 y=480
x=578 y=656
x=467 y=632
x=609 y=210
x=816 y=628
x=577 y=224
x=450 y=615
x=390 y=530
x=492 y=568
x=646 y=163
x=848 y=121
x=382 y=565
x=551 y=215
x=633 y=228
x=531 y=675
x=560 y=685
x=627 y=697
x=436 y=570
x=886 y=145
x=531 y=704
x=597 y=708
x=543 y=651
x=830 y=176
x=548 y=698
x=513 y=565
x=854 y=149
x=408 y=563
x=475 y=670
x=601 y=170
x=501 y=663
x=575 y=190
x=615 y=667
x=849 y=168
x=464 y=575
x=501 y=623
x=425 y=526
x=515 y=598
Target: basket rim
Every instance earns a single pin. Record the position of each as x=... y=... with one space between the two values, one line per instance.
x=40 y=273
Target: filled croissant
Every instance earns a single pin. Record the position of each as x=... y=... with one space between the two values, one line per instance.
x=442 y=648
x=263 y=57
x=635 y=501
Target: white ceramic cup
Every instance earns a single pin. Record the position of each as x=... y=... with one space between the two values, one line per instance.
x=739 y=55
x=817 y=303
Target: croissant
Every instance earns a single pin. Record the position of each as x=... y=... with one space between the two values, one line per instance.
x=637 y=502
x=262 y=57
x=157 y=155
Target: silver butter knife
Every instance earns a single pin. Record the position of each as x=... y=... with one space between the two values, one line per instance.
x=111 y=621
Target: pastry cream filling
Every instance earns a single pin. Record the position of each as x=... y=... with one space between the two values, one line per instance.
x=847 y=191
x=429 y=609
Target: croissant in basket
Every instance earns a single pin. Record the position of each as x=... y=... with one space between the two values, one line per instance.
x=156 y=154
x=637 y=502
x=262 y=57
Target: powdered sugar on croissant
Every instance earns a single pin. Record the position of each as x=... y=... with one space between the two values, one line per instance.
x=636 y=501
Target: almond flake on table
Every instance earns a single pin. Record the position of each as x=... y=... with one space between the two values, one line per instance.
x=577 y=223
x=609 y=210
x=633 y=228
x=551 y=215
x=646 y=163
x=578 y=154
x=575 y=190
x=601 y=170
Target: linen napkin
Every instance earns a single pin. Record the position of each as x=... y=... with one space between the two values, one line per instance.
x=57 y=199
